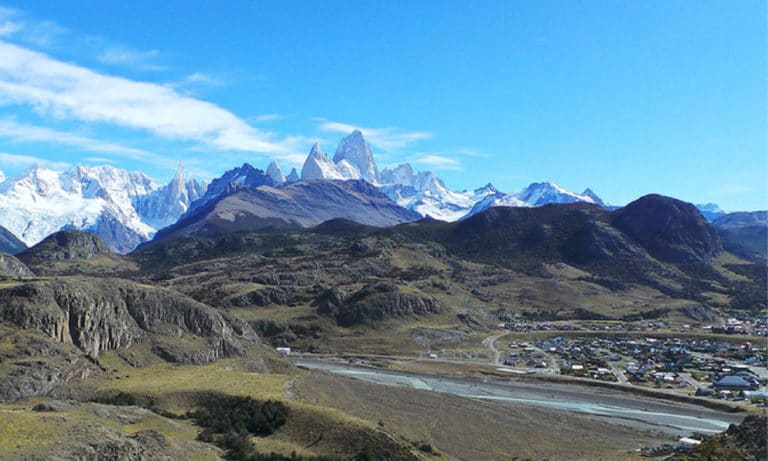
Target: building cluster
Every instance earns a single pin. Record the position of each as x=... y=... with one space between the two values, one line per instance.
x=714 y=368
x=743 y=324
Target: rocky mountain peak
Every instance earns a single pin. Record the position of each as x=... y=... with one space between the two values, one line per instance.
x=356 y=150
x=293 y=176
x=319 y=166
x=401 y=174
x=275 y=172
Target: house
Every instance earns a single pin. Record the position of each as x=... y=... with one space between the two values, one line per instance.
x=284 y=351
x=705 y=392
x=736 y=383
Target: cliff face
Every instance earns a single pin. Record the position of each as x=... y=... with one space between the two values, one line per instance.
x=98 y=315
x=12 y=267
x=372 y=304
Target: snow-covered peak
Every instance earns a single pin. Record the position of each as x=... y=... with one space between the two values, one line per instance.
x=402 y=174
x=37 y=180
x=2 y=177
x=710 y=207
x=319 y=166
x=275 y=172
x=347 y=170
x=589 y=193
x=542 y=193
x=711 y=211
x=293 y=176
x=494 y=200
x=100 y=180
x=357 y=152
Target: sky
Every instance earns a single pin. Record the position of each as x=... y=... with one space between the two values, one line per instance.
x=624 y=97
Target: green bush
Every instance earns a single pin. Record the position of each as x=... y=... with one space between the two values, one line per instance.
x=240 y=415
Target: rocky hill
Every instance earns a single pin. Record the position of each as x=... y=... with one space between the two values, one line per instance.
x=745 y=234
x=73 y=252
x=99 y=315
x=295 y=205
x=12 y=267
x=671 y=230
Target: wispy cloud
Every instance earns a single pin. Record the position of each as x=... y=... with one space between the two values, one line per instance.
x=472 y=153
x=731 y=189
x=26 y=161
x=63 y=90
x=9 y=28
x=438 y=162
x=30 y=133
x=265 y=118
x=385 y=138
x=202 y=78
x=121 y=55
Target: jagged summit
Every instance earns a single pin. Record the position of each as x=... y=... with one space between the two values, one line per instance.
x=275 y=172
x=124 y=208
x=542 y=193
x=293 y=176
x=356 y=150
x=319 y=166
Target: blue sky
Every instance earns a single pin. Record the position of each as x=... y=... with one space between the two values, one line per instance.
x=624 y=97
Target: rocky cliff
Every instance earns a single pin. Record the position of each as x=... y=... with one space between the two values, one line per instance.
x=98 y=315
x=12 y=267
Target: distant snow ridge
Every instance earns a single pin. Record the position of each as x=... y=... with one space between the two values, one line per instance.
x=123 y=208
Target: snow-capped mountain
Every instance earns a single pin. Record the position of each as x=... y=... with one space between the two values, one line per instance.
x=2 y=177
x=543 y=193
x=320 y=166
x=275 y=172
x=536 y=194
x=123 y=208
x=353 y=160
x=293 y=176
x=353 y=155
x=245 y=175
x=711 y=211
x=427 y=194
x=423 y=191
x=162 y=207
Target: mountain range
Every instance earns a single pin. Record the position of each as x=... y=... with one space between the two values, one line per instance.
x=123 y=208
x=126 y=209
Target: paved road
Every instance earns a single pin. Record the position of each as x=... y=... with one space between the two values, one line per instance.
x=619 y=373
x=672 y=418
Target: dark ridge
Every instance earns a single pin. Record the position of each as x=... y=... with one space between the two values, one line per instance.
x=9 y=243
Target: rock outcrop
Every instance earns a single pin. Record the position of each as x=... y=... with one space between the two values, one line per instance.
x=12 y=267
x=373 y=303
x=67 y=245
x=98 y=315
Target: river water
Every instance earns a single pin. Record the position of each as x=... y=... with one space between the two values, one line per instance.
x=672 y=418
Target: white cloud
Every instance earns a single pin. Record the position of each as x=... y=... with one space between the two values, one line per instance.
x=9 y=28
x=472 y=153
x=385 y=138
x=264 y=118
x=30 y=133
x=121 y=55
x=731 y=189
x=438 y=162
x=26 y=161
x=64 y=90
